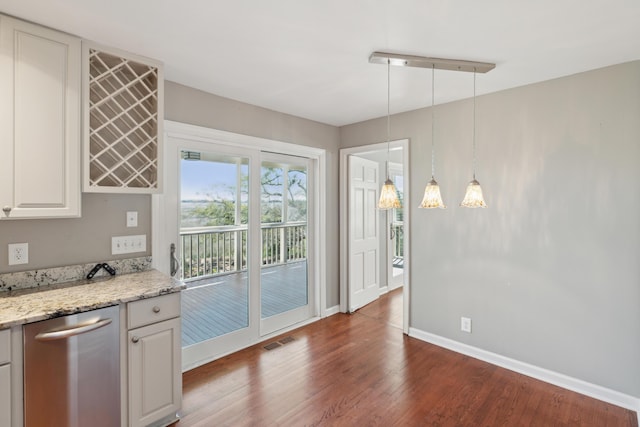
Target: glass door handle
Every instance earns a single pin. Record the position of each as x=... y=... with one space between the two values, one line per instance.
x=174 y=262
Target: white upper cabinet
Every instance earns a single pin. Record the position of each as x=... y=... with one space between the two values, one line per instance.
x=123 y=113
x=40 y=88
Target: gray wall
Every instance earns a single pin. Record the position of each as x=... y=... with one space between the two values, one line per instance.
x=549 y=272
x=188 y=105
x=69 y=241
x=59 y=242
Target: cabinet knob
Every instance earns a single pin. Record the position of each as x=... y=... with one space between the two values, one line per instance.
x=156 y=309
x=135 y=339
x=7 y=210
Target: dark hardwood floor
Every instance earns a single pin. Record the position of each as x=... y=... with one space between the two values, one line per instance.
x=360 y=370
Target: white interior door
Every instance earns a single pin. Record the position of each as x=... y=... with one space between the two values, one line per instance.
x=364 y=242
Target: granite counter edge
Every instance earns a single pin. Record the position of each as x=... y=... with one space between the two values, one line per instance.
x=51 y=314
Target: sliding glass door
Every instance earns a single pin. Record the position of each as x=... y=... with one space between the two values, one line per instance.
x=214 y=216
x=285 y=216
x=218 y=228
x=243 y=234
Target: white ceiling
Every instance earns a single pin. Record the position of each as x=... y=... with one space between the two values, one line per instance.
x=310 y=58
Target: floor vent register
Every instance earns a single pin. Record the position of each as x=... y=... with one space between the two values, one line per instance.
x=279 y=343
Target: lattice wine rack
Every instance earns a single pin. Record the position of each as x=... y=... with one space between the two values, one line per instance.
x=125 y=101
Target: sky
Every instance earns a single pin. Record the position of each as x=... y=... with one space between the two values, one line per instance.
x=198 y=178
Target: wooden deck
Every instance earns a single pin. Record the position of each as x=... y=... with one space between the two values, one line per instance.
x=218 y=305
x=360 y=370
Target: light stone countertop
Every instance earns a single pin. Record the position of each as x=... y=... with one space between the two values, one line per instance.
x=47 y=302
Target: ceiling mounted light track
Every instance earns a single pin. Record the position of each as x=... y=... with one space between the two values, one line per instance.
x=403 y=60
x=432 y=198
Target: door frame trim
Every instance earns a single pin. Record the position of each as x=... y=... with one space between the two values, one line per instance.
x=344 y=222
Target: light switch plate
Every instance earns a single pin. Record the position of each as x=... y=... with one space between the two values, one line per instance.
x=132 y=219
x=128 y=244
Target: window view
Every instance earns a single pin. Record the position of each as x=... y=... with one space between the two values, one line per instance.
x=214 y=193
x=272 y=180
x=284 y=238
x=209 y=196
x=297 y=195
x=397 y=226
x=214 y=217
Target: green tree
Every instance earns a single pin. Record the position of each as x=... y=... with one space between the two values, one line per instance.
x=218 y=212
x=271 y=181
x=221 y=206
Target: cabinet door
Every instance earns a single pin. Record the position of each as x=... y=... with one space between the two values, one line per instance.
x=155 y=380
x=39 y=121
x=5 y=395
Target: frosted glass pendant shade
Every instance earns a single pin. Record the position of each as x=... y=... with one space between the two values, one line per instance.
x=473 y=197
x=388 y=196
x=432 y=198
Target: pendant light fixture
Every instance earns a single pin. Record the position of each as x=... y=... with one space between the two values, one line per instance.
x=388 y=194
x=473 y=198
x=432 y=198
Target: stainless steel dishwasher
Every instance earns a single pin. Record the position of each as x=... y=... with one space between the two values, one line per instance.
x=72 y=370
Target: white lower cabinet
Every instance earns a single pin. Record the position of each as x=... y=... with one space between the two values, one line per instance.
x=151 y=359
x=154 y=361
x=5 y=377
x=5 y=395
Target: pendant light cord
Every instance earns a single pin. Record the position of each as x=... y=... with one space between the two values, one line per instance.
x=388 y=112
x=433 y=133
x=474 y=123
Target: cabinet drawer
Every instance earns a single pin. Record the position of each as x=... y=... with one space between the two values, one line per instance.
x=5 y=346
x=152 y=310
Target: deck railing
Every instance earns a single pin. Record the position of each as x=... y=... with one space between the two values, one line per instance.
x=398 y=246
x=208 y=251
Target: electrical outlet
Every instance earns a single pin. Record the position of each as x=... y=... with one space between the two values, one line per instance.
x=465 y=324
x=18 y=253
x=128 y=244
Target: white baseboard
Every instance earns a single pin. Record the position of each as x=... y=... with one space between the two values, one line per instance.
x=384 y=290
x=555 y=378
x=331 y=311
x=396 y=286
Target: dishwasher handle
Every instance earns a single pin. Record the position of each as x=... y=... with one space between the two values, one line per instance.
x=73 y=331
